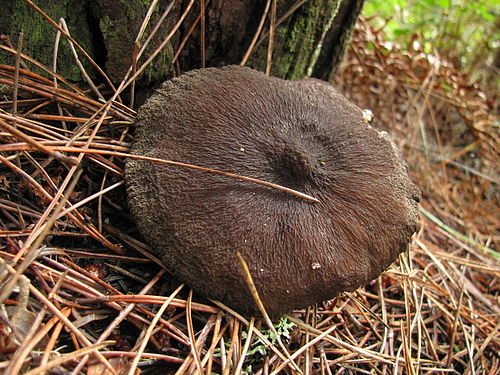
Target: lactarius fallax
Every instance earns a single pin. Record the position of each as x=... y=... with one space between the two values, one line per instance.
x=302 y=135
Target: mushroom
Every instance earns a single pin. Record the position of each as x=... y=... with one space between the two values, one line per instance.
x=303 y=135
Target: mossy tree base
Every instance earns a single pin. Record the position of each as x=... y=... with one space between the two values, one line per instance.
x=308 y=41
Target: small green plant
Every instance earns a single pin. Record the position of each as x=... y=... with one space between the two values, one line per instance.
x=258 y=349
x=284 y=327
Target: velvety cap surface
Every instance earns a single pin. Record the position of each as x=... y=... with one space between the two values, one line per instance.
x=303 y=135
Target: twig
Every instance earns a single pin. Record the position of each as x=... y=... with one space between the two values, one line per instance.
x=272 y=27
x=202 y=32
x=71 y=356
x=257 y=34
x=262 y=309
x=78 y=63
x=460 y=236
x=149 y=332
x=179 y=164
x=16 y=77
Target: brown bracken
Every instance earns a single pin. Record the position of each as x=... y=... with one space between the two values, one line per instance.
x=303 y=135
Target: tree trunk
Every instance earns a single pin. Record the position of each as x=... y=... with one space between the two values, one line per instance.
x=309 y=40
x=309 y=36
x=106 y=29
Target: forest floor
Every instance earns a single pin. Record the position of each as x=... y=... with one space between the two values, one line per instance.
x=80 y=291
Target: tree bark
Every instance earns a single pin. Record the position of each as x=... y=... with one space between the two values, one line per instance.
x=309 y=39
x=106 y=29
x=309 y=35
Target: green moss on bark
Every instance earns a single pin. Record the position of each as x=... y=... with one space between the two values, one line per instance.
x=297 y=40
x=39 y=35
x=106 y=29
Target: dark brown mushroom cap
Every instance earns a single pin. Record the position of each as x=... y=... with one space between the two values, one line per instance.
x=300 y=134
